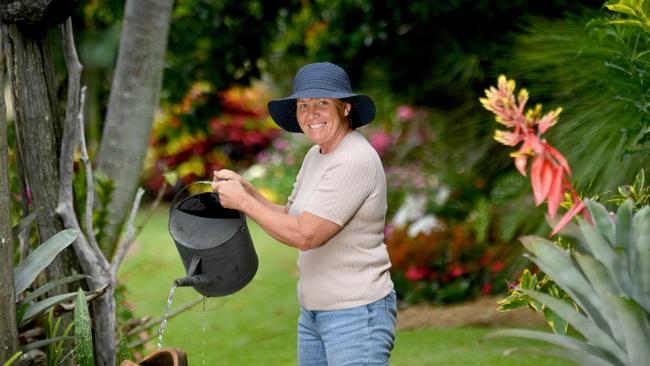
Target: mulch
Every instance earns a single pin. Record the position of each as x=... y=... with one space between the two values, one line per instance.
x=476 y=313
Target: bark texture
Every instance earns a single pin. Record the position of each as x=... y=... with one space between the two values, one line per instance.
x=9 y=335
x=132 y=103
x=36 y=15
x=38 y=133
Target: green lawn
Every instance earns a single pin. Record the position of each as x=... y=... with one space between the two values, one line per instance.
x=256 y=326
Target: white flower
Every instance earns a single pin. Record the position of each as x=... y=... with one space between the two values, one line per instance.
x=442 y=195
x=425 y=225
x=412 y=208
x=255 y=171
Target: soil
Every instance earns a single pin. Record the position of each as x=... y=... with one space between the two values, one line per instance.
x=476 y=313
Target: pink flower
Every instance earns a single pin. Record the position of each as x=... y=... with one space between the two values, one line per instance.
x=380 y=140
x=416 y=273
x=281 y=144
x=405 y=113
x=389 y=230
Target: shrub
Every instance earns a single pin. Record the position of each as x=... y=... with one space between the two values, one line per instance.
x=193 y=142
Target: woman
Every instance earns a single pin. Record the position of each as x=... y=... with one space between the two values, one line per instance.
x=335 y=216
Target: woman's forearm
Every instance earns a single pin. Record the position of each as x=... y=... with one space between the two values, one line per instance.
x=250 y=189
x=275 y=220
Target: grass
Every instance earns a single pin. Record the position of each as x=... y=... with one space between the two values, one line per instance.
x=256 y=326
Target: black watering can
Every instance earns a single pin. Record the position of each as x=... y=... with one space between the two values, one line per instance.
x=213 y=242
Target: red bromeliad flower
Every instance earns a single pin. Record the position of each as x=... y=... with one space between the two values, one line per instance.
x=549 y=172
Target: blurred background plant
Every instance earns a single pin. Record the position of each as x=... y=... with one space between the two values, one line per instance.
x=191 y=141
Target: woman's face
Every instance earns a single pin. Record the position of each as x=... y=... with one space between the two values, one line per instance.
x=323 y=120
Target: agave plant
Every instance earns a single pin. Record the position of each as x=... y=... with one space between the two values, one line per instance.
x=607 y=274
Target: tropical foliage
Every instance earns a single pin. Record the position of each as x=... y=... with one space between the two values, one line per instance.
x=606 y=274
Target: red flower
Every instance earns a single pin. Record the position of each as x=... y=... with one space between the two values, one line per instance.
x=456 y=271
x=416 y=273
x=497 y=266
x=486 y=289
x=549 y=171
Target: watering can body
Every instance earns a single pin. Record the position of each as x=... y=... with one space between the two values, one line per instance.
x=214 y=244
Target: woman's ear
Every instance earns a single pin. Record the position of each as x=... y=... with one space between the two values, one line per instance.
x=347 y=109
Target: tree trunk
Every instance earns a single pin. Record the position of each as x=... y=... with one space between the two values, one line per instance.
x=38 y=133
x=9 y=336
x=132 y=103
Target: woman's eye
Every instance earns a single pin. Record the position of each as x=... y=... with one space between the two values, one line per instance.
x=302 y=106
x=323 y=103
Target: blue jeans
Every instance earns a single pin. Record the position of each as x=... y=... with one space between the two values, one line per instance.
x=357 y=336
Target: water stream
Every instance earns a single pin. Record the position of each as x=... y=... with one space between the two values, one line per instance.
x=163 y=322
x=203 y=342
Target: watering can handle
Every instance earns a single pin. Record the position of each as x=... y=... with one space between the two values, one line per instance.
x=178 y=194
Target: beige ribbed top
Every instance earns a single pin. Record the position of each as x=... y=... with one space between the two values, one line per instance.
x=346 y=186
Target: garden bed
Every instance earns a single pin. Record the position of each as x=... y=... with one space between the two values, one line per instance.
x=476 y=313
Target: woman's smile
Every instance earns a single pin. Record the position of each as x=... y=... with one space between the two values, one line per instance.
x=323 y=120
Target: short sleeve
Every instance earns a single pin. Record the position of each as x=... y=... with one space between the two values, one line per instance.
x=342 y=189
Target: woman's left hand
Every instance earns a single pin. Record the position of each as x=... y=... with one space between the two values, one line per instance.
x=231 y=193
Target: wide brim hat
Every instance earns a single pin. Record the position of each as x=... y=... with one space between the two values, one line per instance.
x=321 y=80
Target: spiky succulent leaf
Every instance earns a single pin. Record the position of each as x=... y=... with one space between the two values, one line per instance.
x=636 y=329
x=602 y=220
x=601 y=281
x=558 y=264
x=595 y=335
x=571 y=344
x=577 y=357
x=605 y=253
x=624 y=233
x=641 y=272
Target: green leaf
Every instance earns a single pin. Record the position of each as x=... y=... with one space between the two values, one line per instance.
x=41 y=306
x=41 y=257
x=578 y=357
x=50 y=285
x=595 y=335
x=558 y=264
x=602 y=220
x=601 y=281
x=25 y=222
x=83 y=333
x=634 y=320
x=569 y=343
x=13 y=359
x=557 y=324
x=44 y=342
x=624 y=234
x=632 y=23
x=171 y=177
x=621 y=8
x=123 y=351
x=604 y=252
x=526 y=280
x=641 y=271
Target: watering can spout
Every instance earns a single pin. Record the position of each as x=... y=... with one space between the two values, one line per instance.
x=192 y=281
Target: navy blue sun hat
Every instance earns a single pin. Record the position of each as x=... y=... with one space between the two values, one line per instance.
x=321 y=80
